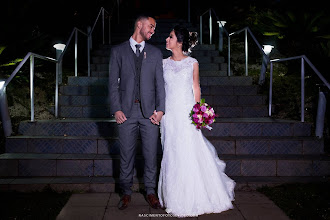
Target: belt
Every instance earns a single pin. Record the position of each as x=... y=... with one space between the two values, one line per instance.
x=136 y=101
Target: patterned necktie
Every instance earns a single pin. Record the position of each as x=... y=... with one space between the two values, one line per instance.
x=137 y=49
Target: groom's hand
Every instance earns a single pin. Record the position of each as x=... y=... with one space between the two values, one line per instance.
x=120 y=117
x=156 y=117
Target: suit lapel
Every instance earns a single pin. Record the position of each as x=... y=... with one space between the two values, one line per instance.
x=130 y=56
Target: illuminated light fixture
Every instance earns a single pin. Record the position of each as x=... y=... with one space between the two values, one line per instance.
x=267 y=49
x=222 y=23
x=59 y=46
x=2 y=83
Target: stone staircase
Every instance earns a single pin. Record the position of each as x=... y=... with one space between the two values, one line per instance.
x=80 y=150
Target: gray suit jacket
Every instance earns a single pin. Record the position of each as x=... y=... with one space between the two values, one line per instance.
x=121 y=80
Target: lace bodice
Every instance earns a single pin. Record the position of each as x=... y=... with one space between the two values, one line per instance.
x=178 y=77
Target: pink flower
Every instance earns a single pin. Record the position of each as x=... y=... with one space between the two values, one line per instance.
x=203 y=108
x=196 y=109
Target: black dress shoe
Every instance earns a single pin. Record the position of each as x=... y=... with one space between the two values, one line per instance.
x=153 y=201
x=123 y=203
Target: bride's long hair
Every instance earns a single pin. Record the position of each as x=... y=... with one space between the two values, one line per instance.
x=188 y=39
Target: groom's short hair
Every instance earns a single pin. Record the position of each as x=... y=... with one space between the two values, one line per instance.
x=141 y=17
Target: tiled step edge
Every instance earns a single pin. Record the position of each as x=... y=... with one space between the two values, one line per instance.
x=51 y=165
x=110 y=145
x=110 y=184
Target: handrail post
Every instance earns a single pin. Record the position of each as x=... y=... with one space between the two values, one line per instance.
x=56 y=89
x=88 y=50
x=32 y=86
x=103 y=25
x=246 y=53
x=76 y=54
x=220 y=37
x=201 y=29
x=118 y=1
x=188 y=11
x=270 y=90
x=5 y=116
x=228 y=56
x=210 y=25
x=302 y=90
x=321 y=109
x=58 y=55
x=109 y=29
x=263 y=69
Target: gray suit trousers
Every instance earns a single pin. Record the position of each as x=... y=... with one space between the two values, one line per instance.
x=128 y=135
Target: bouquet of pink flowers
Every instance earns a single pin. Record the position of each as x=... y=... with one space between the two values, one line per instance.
x=202 y=115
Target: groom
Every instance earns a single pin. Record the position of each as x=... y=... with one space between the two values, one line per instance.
x=137 y=100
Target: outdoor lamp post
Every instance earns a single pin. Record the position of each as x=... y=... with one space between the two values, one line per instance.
x=221 y=25
x=5 y=117
x=59 y=49
x=267 y=49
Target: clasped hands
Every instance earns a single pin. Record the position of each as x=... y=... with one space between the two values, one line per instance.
x=154 y=118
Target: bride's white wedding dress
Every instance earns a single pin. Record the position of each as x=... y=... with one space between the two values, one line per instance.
x=192 y=180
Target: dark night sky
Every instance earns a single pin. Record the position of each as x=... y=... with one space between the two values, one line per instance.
x=62 y=14
x=21 y=19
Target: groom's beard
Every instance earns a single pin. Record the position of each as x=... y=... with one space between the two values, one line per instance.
x=145 y=35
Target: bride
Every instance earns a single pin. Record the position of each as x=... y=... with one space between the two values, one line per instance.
x=192 y=181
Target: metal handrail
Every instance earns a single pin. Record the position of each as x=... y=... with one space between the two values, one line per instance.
x=246 y=30
x=265 y=57
x=265 y=61
x=210 y=11
x=31 y=56
x=58 y=62
x=221 y=29
x=102 y=10
x=303 y=58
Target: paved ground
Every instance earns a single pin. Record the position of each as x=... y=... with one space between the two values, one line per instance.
x=248 y=205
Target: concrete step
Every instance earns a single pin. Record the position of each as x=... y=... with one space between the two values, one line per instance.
x=96 y=111
x=241 y=111
x=78 y=90
x=214 y=100
x=103 y=111
x=230 y=90
x=94 y=165
x=95 y=73
x=202 y=66
x=239 y=145
x=225 y=80
x=205 y=53
x=100 y=67
x=80 y=100
x=98 y=95
x=223 y=127
x=225 y=89
x=265 y=126
x=208 y=60
x=100 y=59
x=213 y=67
x=235 y=100
x=87 y=81
x=204 y=47
x=110 y=184
x=89 y=107
x=204 y=80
